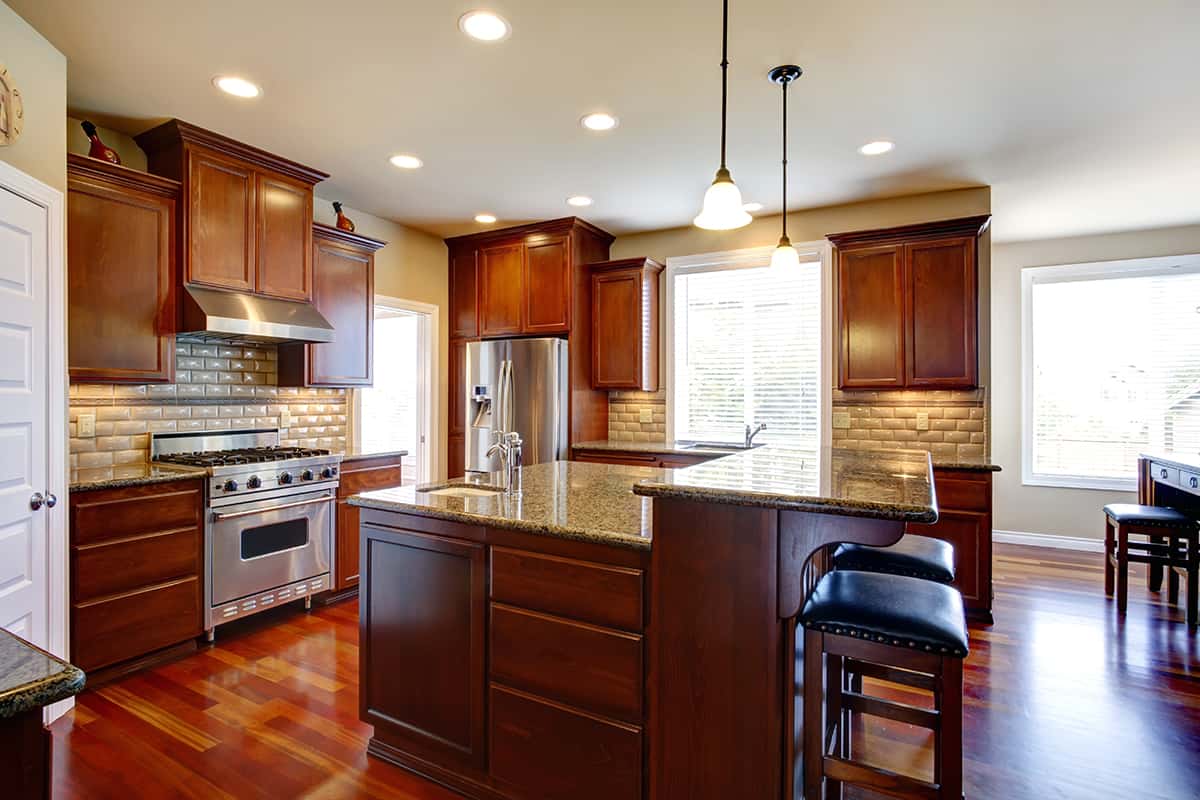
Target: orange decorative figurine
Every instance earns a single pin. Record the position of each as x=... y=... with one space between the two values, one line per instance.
x=99 y=149
x=343 y=222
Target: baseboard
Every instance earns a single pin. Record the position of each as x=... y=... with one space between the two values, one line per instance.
x=1049 y=540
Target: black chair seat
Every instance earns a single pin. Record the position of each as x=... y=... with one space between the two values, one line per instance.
x=893 y=609
x=914 y=556
x=1158 y=516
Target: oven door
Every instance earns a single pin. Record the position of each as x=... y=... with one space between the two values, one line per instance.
x=269 y=542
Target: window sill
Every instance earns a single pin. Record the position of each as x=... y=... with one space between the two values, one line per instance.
x=1080 y=482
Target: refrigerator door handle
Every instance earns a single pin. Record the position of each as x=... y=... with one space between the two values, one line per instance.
x=508 y=420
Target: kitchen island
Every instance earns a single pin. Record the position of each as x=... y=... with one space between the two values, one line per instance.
x=612 y=631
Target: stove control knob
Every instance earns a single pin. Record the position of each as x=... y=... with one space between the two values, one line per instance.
x=307 y=475
x=230 y=486
x=328 y=473
x=285 y=478
x=253 y=482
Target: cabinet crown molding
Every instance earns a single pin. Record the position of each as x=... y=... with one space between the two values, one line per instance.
x=176 y=130
x=85 y=167
x=643 y=263
x=962 y=226
x=553 y=226
x=331 y=234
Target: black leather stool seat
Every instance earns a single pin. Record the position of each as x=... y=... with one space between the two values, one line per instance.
x=1159 y=516
x=914 y=556
x=893 y=609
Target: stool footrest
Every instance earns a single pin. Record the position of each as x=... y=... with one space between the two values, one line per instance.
x=917 y=680
x=889 y=709
x=884 y=780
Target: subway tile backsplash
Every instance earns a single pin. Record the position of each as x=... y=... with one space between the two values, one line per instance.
x=219 y=386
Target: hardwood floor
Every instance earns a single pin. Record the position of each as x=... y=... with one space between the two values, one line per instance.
x=1063 y=701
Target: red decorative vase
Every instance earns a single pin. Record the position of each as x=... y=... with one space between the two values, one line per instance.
x=343 y=222
x=99 y=149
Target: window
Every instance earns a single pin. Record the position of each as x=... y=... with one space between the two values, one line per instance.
x=745 y=348
x=1112 y=368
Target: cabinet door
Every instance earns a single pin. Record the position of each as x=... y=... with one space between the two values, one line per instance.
x=284 y=253
x=500 y=292
x=617 y=333
x=458 y=395
x=547 y=286
x=870 y=300
x=121 y=277
x=344 y=292
x=456 y=456
x=464 y=303
x=220 y=222
x=346 y=558
x=969 y=532
x=941 y=317
x=429 y=593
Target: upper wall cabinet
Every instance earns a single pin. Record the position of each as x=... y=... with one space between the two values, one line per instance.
x=121 y=273
x=464 y=303
x=908 y=307
x=247 y=216
x=344 y=292
x=625 y=324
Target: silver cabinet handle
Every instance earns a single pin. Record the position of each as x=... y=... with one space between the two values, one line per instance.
x=218 y=516
x=37 y=501
x=51 y=500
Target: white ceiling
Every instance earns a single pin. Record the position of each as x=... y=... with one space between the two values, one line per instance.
x=1083 y=115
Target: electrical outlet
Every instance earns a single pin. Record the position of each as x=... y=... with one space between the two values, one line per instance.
x=285 y=418
x=841 y=420
x=85 y=426
x=922 y=420
x=645 y=415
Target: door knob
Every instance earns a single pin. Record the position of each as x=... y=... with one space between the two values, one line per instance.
x=37 y=501
x=51 y=500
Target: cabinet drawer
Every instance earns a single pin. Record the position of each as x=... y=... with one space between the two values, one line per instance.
x=130 y=564
x=590 y=667
x=553 y=752
x=356 y=480
x=599 y=593
x=1164 y=474
x=1189 y=480
x=106 y=631
x=963 y=495
x=617 y=457
x=104 y=516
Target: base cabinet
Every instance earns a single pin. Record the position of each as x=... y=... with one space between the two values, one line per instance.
x=359 y=474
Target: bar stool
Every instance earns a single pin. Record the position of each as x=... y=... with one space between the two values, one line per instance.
x=908 y=630
x=1171 y=540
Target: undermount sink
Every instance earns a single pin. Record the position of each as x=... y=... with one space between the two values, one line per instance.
x=463 y=491
x=717 y=446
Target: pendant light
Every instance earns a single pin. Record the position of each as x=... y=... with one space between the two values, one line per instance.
x=722 y=209
x=785 y=256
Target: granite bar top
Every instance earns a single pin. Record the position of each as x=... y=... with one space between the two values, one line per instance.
x=31 y=678
x=135 y=476
x=570 y=499
x=974 y=464
x=883 y=484
x=367 y=452
x=1188 y=461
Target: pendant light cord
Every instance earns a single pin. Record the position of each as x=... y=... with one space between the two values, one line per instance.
x=724 y=73
x=785 y=88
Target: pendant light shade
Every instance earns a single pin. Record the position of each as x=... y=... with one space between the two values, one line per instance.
x=722 y=210
x=785 y=256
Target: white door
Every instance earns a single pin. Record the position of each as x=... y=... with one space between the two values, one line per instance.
x=24 y=400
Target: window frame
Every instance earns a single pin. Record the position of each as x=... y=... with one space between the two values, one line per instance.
x=1067 y=273
x=752 y=258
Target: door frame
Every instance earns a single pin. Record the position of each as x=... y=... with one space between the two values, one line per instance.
x=428 y=375
x=57 y=617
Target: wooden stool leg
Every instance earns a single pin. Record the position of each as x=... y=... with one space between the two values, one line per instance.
x=814 y=707
x=948 y=755
x=1154 y=573
x=1122 y=568
x=1110 y=549
x=833 y=719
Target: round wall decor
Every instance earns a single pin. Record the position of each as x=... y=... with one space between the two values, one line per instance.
x=12 y=114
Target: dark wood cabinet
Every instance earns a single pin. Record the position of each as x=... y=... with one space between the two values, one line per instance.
x=423 y=618
x=908 y=308
x=247 y=213
x=456 y=456
x=457 y=407
x=625 y=324
x=464 y=283
x=120 y=273
x=137 y=569
x=501 y=273
x=344 y=292
x=633 y=458
x=546 y=286
x=358 y=474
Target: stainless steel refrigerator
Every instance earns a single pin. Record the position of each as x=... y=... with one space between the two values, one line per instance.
x=516 y=385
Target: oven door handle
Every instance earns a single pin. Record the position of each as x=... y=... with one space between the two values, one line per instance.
x=218 y=516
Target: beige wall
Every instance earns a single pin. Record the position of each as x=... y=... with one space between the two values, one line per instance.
x=131 y=155
x=40 y=73
x=411 y=267
x=1038 y=509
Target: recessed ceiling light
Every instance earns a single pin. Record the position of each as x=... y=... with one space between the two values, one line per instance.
x=579 y=200
x=405 y=161
x=599 y=121
x=752 y=207
x=876 y=148
x=485 y=219
x=484 y=26
x=238 y=87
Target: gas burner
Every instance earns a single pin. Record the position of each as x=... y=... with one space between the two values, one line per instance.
x=245 y=462
x=245 y=455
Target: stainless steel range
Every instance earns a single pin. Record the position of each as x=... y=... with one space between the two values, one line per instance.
x=269 y=517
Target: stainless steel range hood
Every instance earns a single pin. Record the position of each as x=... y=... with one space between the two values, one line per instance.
x=237 y=315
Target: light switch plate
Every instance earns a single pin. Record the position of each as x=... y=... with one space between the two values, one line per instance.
x=922 y=420
x=85 y=426
x=645 y=415
x=841 y=420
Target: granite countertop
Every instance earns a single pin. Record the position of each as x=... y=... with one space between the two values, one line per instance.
x=32 y=678
x=975 y=464
x=144 y=475
x=571 y=499
x=883 y=484
x=1188 y=461
x=367 y=452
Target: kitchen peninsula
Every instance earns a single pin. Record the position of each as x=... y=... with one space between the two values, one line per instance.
x=611 y=631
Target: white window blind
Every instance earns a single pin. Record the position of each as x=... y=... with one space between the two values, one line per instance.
x=1112 y=368
x=747 y=349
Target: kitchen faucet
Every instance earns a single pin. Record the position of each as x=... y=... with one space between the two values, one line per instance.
x=750 y=434
x=508 y=447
